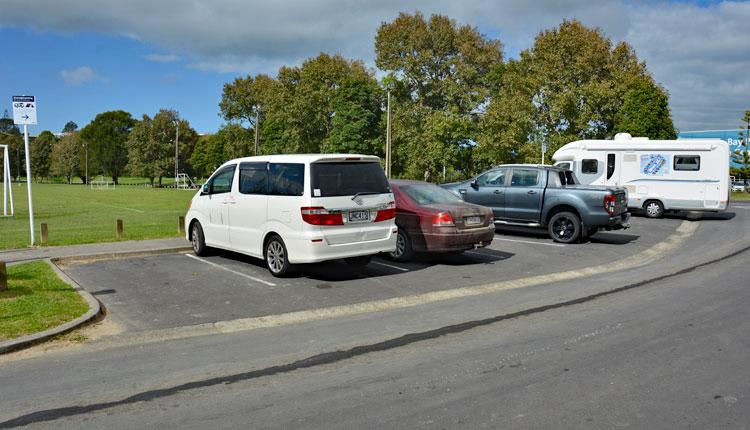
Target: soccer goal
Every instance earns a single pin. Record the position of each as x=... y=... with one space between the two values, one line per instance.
x=183 y=181
x=7 y=188
x=102 y=183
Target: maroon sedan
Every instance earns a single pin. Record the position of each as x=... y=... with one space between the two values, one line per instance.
x=432 y=219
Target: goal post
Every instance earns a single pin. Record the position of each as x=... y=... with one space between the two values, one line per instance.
x=6 y=180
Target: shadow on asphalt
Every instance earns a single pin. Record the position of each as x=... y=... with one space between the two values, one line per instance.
x=339 y=271
x=693 y=216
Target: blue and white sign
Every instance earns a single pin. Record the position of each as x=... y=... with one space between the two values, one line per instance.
x=24 y=110
x=730 y=136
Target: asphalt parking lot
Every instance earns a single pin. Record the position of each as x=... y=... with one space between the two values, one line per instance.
x=181 y=289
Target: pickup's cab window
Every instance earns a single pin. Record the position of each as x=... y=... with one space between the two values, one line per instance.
x=524 y=178
x=222 y=181
x=493 y=178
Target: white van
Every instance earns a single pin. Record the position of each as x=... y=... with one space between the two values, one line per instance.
x=290 y=209
x=687 y=174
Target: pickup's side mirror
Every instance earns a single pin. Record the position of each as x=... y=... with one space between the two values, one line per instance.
x=474 y=184
x=206 y=189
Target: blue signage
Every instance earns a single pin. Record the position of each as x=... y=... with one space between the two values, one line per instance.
x=730 y=136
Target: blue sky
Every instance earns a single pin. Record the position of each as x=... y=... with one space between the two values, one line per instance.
x=82 y=57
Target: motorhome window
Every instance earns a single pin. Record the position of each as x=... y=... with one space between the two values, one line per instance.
x=524 y=178
x=610 y=165
x=347 y=178
x=253 y=178
x=589 y=166
x=687 y=162
x=222 y=181
x=565 y=165
x=286 y=179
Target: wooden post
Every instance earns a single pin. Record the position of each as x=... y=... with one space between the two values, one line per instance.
x=181 y=225
x=3 y=276
x=44 y=234
x=119 y=229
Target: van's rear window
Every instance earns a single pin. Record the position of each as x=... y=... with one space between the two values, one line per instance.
x=347 y=179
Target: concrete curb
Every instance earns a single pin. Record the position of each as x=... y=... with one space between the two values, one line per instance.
x=118 y=255
x=95 y=310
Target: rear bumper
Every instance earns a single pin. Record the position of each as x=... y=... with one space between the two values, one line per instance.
x=606 y=222
x=446 y=239
x=303 y=250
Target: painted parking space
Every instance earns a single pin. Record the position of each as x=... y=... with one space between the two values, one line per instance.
x=182 y=289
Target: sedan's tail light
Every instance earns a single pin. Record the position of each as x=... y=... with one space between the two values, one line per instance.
x=388 y=213
x=609 y=203
x=442 y=219
x=318 y=215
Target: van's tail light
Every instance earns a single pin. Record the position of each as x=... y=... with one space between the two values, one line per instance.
x=318 y=215
x=442 y=219
x=609 y=203
x=388 y=213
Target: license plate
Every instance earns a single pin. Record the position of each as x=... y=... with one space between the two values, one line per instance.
x=473 y=220
x=359 y=216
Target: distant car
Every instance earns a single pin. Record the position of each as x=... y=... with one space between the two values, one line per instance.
x=432 y=219
x=738 y=186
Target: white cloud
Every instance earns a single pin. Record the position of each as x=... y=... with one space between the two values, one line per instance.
x=697 y=52
x=162 y=58
x=79 y=76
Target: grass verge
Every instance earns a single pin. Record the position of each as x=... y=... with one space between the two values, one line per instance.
x=78 y=214
x=36 y=300
x=740 y=196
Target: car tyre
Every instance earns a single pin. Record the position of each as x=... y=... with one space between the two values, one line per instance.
x=277 y=257
x=361 y=261
x=198 y=240
x=404 y=250
x=653 y=209
x=564 y=227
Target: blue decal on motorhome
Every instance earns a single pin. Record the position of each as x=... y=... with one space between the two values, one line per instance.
x=654 y=164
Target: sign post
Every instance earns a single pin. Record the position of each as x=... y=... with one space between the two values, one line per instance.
x=24 y=113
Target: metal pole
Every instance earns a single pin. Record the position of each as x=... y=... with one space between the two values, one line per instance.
x=10 y=182
x=176 y=153
x=5 y=180
x=86 y=148
x=257 y=126
x=28 y=181
x=388 y=138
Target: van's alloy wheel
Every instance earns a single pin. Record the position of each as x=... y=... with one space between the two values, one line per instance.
x=565 y=227
x=277 y=259
x=197 y=240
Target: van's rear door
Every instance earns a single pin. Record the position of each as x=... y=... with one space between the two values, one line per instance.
x=357 y=188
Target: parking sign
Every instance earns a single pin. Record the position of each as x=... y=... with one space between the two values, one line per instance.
x=24 y=110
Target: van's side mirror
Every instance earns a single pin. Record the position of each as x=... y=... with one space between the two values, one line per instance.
x=206 y=189
x=474 y=184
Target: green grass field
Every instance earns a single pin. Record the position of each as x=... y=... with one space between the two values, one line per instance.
x=36 y=300
x=740 y=196
x=78 y=214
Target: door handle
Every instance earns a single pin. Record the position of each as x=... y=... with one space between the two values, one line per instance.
x=531 y=192
x=498 y=192
x=229 y=202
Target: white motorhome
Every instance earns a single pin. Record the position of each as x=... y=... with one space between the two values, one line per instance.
x=660 y=175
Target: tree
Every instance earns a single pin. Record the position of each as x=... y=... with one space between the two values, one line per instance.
x=569 y=85
x=144 y=153
x=245 y=99
x=742 y=156
x=66 y=156
x=10 y=135
x=645 y=112
x=107 y=137
x=40 y=154
x=231 y=141
x=442 y=74
x=70 y=127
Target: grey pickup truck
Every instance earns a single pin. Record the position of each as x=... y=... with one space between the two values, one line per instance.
x=546 y=196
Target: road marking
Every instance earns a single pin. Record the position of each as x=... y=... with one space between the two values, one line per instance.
x=529 y=241
x=390 y=265
x=244 y=275
x=124 y=208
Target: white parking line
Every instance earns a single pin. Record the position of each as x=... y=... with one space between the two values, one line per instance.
x=531 y=242
x=244 y=275
x=390 y=265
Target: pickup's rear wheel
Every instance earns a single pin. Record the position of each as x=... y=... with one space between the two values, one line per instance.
x=564 y=227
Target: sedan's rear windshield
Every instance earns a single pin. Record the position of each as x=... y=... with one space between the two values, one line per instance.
x=425 y=194
x=347 y=179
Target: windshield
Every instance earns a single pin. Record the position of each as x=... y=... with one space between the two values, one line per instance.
x=427 y=194
x=347 y=179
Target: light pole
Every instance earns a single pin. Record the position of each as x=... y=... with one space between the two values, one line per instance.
x=257 y=126
x=388 y=138
x=176 y=151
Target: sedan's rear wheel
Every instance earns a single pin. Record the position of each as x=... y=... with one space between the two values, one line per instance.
x=276 y=256
x=565 y=227
x=404 y=250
